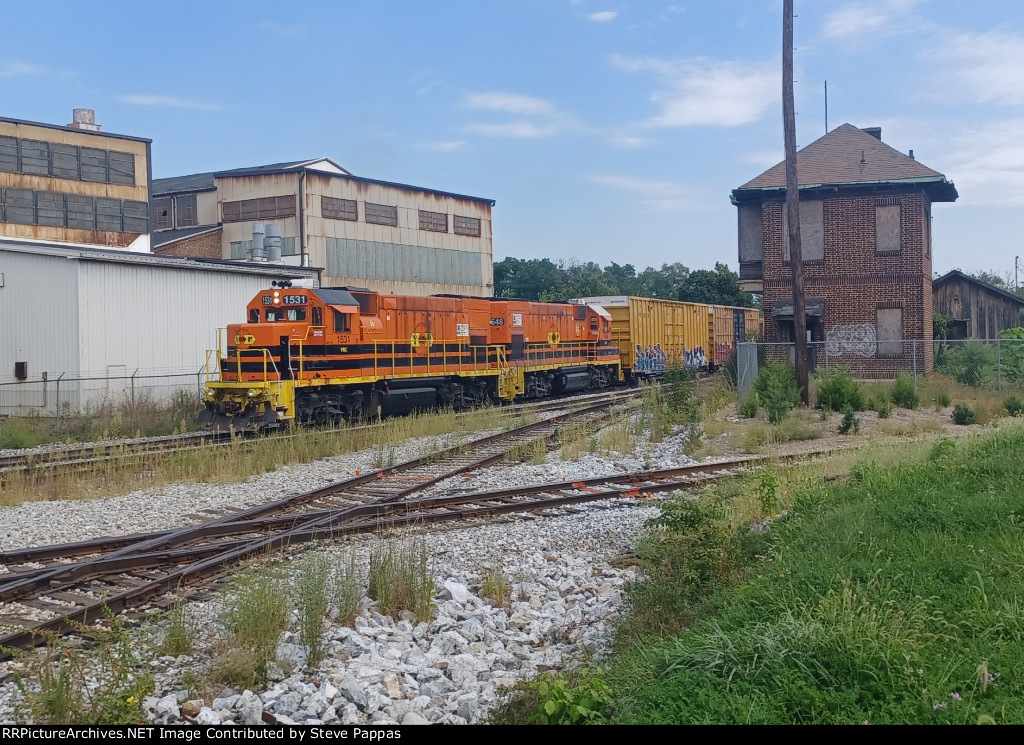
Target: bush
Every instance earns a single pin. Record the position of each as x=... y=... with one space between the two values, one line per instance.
x=850 y=423
x=1014 y=406
x=838 y=390
x=883 y=407
x=749 y=406
x=903 y=393
x=963 y=414
x=968 y=364
x=943 y=399
x=777 y=388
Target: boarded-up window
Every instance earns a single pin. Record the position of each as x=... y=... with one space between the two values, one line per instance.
x=467 y=226
x=750 y=233
x=339 y=209
x=9 y=154
x=266 y=208
x=94 y=165
x=436 y=221
x=81 y=212
x=887 y=228
x=122 y=167
x=185 y=213
x=35 y=157
x=50 y=209
x=163 y=218
x=812 y=231
x=889 y=332
x=108 y=214
x=20 y=206
x=136 y=216
x=381 y=214
x=65 y=160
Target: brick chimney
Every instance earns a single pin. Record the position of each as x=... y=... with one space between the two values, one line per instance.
x=85 y=119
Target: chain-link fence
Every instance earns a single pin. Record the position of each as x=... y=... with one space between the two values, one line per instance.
x=991 y=363
x=74 y=394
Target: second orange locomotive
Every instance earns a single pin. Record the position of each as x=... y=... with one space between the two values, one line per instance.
x=344 y=354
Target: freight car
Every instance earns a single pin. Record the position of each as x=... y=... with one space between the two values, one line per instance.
x=329 y=355
x=653 y=334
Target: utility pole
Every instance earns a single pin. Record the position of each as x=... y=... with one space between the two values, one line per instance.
x=793 y=202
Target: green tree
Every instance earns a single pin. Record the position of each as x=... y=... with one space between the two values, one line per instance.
x=715 y=287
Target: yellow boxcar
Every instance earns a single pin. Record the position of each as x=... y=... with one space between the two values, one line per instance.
x=728 y=325
x=654 y=334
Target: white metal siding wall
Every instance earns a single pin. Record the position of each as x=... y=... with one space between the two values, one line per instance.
x=156 y=319
x=38 y=325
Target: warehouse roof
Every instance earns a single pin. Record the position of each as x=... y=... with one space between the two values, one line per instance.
x=163 y=237
x=76 y=131
x=848 y=156
x=79 y=252
x=207 y=181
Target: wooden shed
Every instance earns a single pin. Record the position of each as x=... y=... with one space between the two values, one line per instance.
x=979 y=310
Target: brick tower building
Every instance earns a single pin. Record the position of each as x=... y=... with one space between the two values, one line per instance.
x=865 y=225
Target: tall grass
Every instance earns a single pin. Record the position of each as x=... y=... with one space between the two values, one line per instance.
x=401 y=578
x=890 y=597
x=256 y=612
x=312 y=603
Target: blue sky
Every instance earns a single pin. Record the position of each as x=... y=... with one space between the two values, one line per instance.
x=606 y=131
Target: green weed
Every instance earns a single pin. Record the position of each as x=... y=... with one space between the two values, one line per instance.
x=903 y=392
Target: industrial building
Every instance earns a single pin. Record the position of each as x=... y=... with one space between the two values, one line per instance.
x=392 y=238
x=74 y=184
x=866 y=235
x=81 y=324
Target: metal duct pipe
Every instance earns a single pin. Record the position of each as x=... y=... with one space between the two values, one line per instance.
x=258 y=252
x=273 y=243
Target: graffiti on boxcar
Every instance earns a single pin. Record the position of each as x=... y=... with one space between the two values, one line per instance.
x=857 y=339
x=649 y=360
x=695 y=357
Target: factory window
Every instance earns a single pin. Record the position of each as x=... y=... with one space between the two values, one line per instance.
x=65 y=161
x=341 y=324
x=381 y=214
x=35 y=157
x=136 y=216
x=9 y=154
x=94 y=165
x=240 y=249
x=122 y=168
x=339 y=209
x=437 y=221
x=20 y=206
x=265 y=208
x=108 y=214
x=467 y=226
x=254 y=315
x=81 y=211
x=50 y=209
x=163 y=217
x=185 y=211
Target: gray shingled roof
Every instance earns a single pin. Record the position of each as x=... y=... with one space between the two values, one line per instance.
x=163 y=237
x=850 y=156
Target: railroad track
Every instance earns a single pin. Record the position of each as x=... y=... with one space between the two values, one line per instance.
x=49 y=589
x=51 y=462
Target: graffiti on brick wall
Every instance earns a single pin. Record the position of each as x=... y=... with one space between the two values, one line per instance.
x=856 y=339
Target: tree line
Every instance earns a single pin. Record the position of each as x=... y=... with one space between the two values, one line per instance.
x=547 y=281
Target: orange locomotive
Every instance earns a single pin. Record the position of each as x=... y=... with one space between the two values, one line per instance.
x=344 y=354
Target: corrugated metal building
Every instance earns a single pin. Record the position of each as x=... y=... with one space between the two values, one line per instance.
x=96 y=319
x=74 y=183
x=392 y=238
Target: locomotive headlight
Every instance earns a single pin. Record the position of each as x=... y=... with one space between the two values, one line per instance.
x=277 y=301
x=277 y=294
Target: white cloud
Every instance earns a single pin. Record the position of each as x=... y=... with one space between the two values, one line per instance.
x=147 y=99
x=19 y=69
x=511 y=103
x=516 y=130
x=605 y=16
x=287 y=30
x=446 y=146
x=542 y=118
x=657 y=196
x=986 y=67
x=709 y=92
x=985 y=162
x=623 y=140
x=860 y=19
